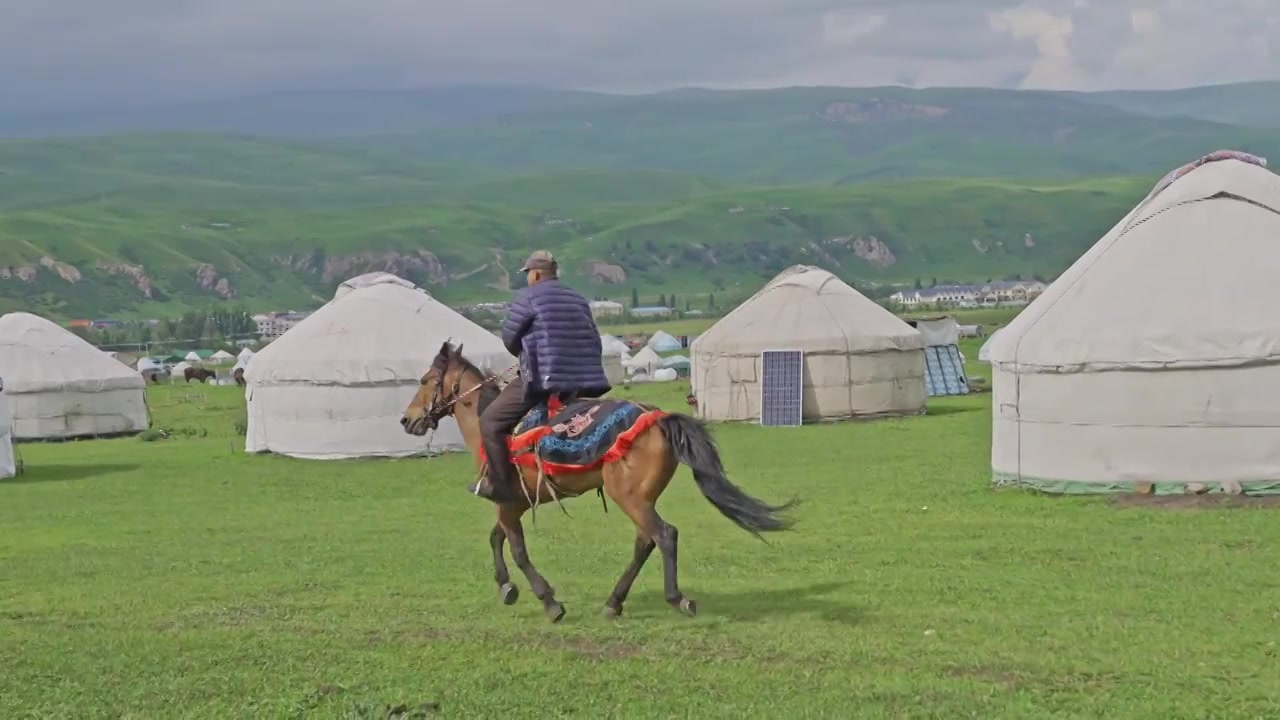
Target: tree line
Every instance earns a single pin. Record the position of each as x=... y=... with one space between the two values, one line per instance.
x=212 y=329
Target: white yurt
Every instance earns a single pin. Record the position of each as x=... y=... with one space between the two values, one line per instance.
x=372 y=278
x=646 y=361
x=192 y=357
x=245 y=356
x=60 y=386
x=222 y=356
x=984 y=352
x=611 y=356
x=151 y=370
x=177 y=371
x=860 y=360
x=663 y=341
x=8 y=468
x=336 y=384
x=612 y=345
x=1146 y=366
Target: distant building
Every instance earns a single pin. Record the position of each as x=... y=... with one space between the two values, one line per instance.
x=606 y=308
x=651 y=311
x=1005 y=292
x=273 y=325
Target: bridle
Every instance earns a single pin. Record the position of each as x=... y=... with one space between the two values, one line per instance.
x=441 y=408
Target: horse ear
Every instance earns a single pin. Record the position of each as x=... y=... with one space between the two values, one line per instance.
x=457 y=351
x=445 y=349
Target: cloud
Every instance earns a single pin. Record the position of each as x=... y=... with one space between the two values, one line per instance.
x=89 y=52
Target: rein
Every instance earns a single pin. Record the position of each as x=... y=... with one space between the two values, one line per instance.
x=447 y=406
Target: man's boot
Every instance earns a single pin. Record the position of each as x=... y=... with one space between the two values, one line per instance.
x=498 y=483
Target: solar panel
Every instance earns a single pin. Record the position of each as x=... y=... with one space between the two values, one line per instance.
x=782 y=388
x=944 y=371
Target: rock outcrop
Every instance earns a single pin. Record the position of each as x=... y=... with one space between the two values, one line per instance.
x=136 y=273
x=208 y=279
x=606 y=273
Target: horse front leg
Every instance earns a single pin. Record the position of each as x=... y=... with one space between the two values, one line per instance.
x=509 y=519
x=507 y=590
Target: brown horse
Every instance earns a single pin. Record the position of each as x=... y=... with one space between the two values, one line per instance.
x=201 y=374
x=238 y=376
x=454 y=386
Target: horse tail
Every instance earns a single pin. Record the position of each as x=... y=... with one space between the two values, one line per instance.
x=692 y=445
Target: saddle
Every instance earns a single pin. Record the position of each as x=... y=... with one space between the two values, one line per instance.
x=579 y=436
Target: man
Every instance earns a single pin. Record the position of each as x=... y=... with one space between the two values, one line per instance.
x=550 y=328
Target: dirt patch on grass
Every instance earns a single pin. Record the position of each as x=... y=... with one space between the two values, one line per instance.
x=598 y=649
x=1195 y=502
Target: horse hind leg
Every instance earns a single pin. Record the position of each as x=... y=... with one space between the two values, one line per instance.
x=509 y=519
x=635 y=486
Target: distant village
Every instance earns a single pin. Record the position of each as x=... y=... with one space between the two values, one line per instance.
x=271 y=325
x=992 y=294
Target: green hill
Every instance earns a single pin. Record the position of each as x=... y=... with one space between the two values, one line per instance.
x=315 y=150
x=687 y=191
x=94 y=259
x=1252 y=103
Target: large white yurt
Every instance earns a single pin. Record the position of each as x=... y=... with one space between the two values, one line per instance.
x=1149 y=365
x=60 y=386
x=7 y=465
x=860 y=359
x=336 y=384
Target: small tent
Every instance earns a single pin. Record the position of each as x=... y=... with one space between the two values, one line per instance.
x=222 y=356
x=7 y=466
x=646 y=361
x=859 y=358
x=611 y=345
x=337 y=383
x=192 y=357
x=664 y=342
x=1132 y=372
x=60 y=386
x=943 y=363
x=245 y=356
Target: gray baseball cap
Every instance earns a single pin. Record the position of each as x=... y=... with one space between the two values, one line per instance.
x=539 y=260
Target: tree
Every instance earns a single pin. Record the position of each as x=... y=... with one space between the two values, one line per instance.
x=687 y=307
x=635 y=298
x=711 y=301
x=672 y=301
x=662 y=300
x=917 y=285
x=933 y=282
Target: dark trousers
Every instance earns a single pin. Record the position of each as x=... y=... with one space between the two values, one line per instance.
x=496 y=423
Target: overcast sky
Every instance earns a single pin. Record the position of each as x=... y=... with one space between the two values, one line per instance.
x=66 y=53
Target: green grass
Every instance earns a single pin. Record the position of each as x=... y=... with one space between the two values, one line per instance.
x=182 y=578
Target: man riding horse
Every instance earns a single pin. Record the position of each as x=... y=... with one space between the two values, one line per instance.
x=551 y=329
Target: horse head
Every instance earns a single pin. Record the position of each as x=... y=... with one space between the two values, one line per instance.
x=438 y=391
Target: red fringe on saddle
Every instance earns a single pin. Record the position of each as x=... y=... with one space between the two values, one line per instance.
x=524 y=446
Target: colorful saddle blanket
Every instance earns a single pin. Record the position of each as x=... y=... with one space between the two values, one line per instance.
x=580 y=436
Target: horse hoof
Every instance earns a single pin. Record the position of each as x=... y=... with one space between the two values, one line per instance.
x=508 y=593
x=555 y=612
x=610 y=612
x=688 y=607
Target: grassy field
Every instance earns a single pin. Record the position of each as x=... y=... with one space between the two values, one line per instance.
x=182 y=578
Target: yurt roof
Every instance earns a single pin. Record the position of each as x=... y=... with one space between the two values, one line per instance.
x=807 y=308
x=1139 y=297
x=371 y=278
x=37 y=355
x=380 y=333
